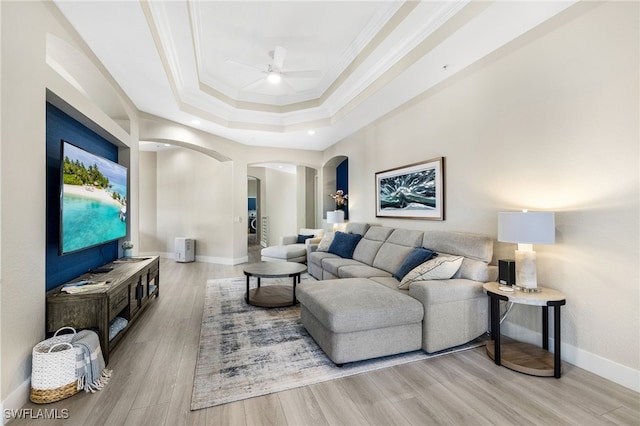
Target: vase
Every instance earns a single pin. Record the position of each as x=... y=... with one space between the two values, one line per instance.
x=126 y=252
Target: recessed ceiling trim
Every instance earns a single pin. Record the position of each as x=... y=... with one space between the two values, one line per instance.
x=284 y=104
x=157 y=40
x=225 y=105
x=161 y=79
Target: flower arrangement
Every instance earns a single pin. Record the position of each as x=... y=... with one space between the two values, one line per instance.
x=340 y=198
x=127 y=245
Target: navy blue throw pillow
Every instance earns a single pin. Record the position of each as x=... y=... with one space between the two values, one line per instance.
x=416 y=257
x=344 y=244
x=303 y=238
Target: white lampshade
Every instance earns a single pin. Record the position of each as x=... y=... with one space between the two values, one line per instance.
x=335 y=216
x=527 y=227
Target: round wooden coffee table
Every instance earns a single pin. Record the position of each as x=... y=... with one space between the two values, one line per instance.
x=273 y=296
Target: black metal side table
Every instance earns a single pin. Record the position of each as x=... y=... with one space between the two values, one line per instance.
x=524 y=357
x=273 y=296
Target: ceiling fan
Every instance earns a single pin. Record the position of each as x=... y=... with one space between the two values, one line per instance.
x=274 y=72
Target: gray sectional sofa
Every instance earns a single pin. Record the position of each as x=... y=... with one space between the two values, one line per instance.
x=357 y=311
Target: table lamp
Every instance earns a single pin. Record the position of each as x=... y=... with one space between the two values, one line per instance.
x=526 y=228
x=335 y=217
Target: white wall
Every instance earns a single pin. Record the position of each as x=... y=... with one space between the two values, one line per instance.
x=23 y=230
x=238 y=157
x=25 y=79
x=194 y=201
x=149 y=242
x=549 y=122
x=281 y=200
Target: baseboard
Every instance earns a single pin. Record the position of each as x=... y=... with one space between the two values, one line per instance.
x=15 y=401
x=222 y=260
x=206 y=259
x=596 y=364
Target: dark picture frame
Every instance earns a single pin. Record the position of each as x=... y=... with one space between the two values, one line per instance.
x=415 y=191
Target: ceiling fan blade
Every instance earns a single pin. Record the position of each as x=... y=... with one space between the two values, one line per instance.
x=289 y=86
x=254 y=85
x=302 y=74
x=279 y=53
x=242 y=64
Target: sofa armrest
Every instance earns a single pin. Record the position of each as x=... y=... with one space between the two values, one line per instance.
x=314 y=240
x=311 y=248
x=444 y=291
x=493 y=273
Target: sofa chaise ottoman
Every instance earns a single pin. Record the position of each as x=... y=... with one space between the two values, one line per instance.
x=355 y=318
x=292 y=248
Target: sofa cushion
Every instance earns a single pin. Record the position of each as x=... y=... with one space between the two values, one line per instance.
x=396 y=248
x=390 y=257
x=366 y=250
x=406 y=237
x=344 y=244
x=370 y=243
x=357 y=228
x=355 y=304
x=317 y=257
x=473 y=246
x=334 y=263
x=439 y=268
x=416 y=257
x=286 y=252
x=361 y=271
x=389 y=282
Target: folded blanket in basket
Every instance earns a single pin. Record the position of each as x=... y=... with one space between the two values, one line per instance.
x=90 y=366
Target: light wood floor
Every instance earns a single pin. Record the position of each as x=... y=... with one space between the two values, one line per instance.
x=154 y=364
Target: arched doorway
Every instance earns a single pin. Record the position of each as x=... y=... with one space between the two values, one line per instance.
x=253 y=210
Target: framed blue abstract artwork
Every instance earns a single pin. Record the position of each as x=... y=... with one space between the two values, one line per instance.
x=415 y=191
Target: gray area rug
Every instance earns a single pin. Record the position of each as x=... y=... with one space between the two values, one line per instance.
x=247 y=351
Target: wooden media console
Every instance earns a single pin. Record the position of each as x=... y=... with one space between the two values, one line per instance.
x=131 y=284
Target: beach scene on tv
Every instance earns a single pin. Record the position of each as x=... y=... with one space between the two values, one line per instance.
x=94 y=199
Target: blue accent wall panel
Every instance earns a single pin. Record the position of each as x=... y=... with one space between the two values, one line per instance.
x=342 y=182
x=60 y=269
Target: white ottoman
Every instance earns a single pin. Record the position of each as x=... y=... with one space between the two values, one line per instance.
x=286 y=253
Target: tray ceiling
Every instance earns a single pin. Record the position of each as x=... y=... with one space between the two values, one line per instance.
x=343 y=63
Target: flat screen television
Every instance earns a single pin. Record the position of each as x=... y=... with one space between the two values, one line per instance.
x=93 y=199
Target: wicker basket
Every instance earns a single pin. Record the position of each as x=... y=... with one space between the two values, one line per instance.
x=53 y=369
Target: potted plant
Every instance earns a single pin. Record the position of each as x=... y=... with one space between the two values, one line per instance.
x=127 y=246
x=340 y=198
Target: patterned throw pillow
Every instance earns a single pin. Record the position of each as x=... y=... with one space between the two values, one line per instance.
x=439 y=268
x=326 y=241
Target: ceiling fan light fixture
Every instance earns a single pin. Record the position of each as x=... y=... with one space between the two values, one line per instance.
x=274 y=77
